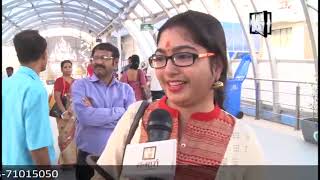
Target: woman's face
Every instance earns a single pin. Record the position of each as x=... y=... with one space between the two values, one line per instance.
x=184 y=86
x=67 y=69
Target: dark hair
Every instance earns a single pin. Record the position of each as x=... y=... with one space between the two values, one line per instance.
x=106 y=47
x=135 y=61
x=9 y=68
x=206 y=31
x=29 y=45
x=64 y=62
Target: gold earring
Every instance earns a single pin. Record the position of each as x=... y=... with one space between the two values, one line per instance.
x=217 y=85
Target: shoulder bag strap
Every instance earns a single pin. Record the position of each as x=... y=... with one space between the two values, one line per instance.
x=136 y=121
x=135 y=124
x=92 y=160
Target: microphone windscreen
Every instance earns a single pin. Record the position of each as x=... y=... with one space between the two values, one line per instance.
x=159 y=125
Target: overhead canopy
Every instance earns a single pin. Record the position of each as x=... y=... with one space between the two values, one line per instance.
x=86 y=15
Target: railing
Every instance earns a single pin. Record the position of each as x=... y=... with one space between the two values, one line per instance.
x=297 y=99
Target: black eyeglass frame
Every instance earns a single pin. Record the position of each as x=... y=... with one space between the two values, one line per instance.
x=194 y=57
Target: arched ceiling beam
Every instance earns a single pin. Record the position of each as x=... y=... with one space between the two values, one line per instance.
x=54 y=23
x=185 y=4
x=71 y=7
x=101 y=7
x=111 y=4
x=146 y=8
x=86 y=14
x=311 y=36
x=14 y=3
x=35 y=10
x=49 y=16
x=175 y=6
x=45 y=11
x=163 y=7
x=10 y=21
x=93 y=4
x=204 y=3
x=69 y=23
x=122 y=16
x=62 y=9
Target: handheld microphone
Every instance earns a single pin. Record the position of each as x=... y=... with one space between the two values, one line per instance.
x=155 y=159
x=159 y=125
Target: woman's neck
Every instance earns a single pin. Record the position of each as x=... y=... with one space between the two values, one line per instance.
x=206 y=104
x=66 y=76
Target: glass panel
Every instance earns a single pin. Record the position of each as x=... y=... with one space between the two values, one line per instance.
x=141 y=11
x=6 y=1
x=116 y=3
x=76 y=3
x=17 y=9
x=153 y=6
x=100 y=12
x=24 y=12
x=108 y=6
x=166 y=3
x=74 y=14
x=37 y=3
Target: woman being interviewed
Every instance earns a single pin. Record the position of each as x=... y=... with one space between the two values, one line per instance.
x=66 y=123
x=191 y=65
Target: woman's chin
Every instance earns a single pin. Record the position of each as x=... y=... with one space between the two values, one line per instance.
x=178 y=99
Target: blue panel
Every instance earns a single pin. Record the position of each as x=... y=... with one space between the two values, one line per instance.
x=289 y=120
x=232 y=96
x=248 y=111
x=236 y=40
x=242 y=70
x=231 y=53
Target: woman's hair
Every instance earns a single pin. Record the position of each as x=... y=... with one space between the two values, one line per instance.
x=206 y=31
x=135 y=61
x=64 y=62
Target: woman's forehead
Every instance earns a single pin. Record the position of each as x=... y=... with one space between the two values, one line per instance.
x=176 y=36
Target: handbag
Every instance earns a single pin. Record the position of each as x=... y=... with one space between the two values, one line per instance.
x=54 y=110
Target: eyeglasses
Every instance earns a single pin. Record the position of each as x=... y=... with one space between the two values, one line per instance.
x=104 y=58
x=181 y=59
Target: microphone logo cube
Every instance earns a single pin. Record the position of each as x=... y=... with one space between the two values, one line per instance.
x=149 y=153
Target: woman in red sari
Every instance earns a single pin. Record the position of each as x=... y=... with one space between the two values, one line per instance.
x=66 y=123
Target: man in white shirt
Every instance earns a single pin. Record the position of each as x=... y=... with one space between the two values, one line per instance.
x=155 y=88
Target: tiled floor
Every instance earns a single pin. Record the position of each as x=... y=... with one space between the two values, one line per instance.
x=282 y=144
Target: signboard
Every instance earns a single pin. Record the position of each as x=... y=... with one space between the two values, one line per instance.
x=146 y=27
x=260 y=23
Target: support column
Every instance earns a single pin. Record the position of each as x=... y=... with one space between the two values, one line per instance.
x=313 y=42
x=252 y=53
x=274 y=74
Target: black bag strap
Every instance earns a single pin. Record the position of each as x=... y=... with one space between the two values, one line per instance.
x=135 y=125
x=92 y=160
x=136 y=119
